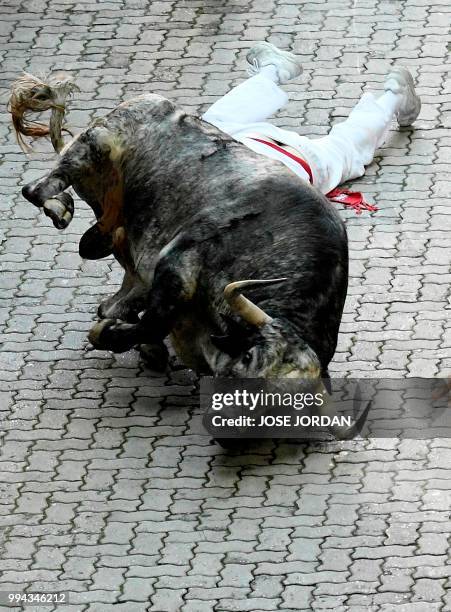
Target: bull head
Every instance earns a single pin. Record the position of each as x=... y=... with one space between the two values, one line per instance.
x=246 y=338
x=261 y=349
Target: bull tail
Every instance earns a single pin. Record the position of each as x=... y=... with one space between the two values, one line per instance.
x=30 y=94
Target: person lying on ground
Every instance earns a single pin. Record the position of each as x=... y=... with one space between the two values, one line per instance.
x=325 y=162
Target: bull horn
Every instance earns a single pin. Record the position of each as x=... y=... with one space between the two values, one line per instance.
x=342 y=432
x=248 y=311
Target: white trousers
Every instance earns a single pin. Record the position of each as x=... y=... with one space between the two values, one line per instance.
x=338 y=157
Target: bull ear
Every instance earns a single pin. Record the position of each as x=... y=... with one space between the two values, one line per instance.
x=233 y=327
x=238 y=339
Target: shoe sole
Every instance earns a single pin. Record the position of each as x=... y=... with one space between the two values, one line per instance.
x=286 y=55
x=270 y=47
x=409 y=84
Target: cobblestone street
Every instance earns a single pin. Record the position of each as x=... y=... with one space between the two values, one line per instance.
x=105 y=489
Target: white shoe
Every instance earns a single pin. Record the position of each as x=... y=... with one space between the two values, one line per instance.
x=263 y=54
x=400 y=81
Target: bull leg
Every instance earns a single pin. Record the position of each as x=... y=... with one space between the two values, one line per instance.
x=126 y=303
x=155 y=356
x=173 y=286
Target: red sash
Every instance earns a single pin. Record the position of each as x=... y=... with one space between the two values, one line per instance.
x=353 y=199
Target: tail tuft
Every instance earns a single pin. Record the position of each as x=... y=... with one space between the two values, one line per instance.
x=31 y=94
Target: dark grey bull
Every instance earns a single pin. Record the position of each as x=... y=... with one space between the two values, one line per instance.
x=192 y=214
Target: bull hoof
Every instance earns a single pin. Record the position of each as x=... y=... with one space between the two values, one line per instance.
x=155 y=356
x=94 y=244
x=97 y=330
x=60 y=209
x=112 y=335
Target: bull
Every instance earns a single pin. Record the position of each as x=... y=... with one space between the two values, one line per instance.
x=196 y=220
